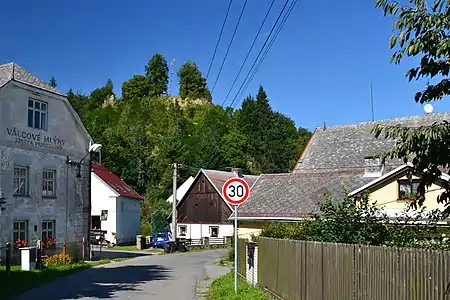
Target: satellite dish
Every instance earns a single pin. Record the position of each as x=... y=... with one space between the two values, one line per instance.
x=428 y=108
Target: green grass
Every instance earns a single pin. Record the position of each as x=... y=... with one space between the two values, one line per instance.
x=19 y=281
x=223 y=289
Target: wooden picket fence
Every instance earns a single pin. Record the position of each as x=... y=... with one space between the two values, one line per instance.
x=313 y=270
x=241 y=256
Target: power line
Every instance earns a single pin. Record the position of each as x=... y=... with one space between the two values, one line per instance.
x=266 y=51
x=229 y=45
x=260 y=51
x=220 y=36
x=248 y=53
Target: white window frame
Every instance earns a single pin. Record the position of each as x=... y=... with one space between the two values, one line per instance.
x=45 y=231
x=211 y=231
x=17 y=230
x=20 y=181
x=373 y=167
x=104 y=215
x=184 y=227
x=35 y=108
x=47 y=181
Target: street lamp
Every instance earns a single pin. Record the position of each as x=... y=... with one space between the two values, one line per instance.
x=92 y=148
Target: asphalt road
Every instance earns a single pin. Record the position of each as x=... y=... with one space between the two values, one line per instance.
x=165 y=277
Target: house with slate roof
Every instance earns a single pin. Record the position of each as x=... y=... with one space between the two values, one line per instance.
x=202 y=211
x=40 y=133
x=338 y=161
x=116 y=207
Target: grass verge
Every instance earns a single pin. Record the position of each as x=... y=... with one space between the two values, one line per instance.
x=223 y=289
x=20 y=281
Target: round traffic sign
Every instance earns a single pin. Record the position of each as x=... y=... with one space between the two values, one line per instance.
x=235 y=191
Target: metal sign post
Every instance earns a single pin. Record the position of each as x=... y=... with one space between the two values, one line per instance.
x=235 y=191
x=235 y=247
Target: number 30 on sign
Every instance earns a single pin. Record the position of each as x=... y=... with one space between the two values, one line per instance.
x=235 y=191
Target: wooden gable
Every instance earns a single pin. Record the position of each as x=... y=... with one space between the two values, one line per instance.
x=203 y=204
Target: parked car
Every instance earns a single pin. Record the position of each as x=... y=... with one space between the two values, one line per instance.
x=160 y=238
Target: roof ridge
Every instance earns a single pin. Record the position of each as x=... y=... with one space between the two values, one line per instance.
x=388 y=119
x=227 y=172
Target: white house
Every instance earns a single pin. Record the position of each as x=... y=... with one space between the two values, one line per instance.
x=41 y=137
x=116 y=207
x=181 y=191
x=202 y=211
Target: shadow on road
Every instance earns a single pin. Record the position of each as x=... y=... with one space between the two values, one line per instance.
x=105 y=254
x=99 y=283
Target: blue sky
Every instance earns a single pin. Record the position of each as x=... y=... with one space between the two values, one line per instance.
x=319 y=69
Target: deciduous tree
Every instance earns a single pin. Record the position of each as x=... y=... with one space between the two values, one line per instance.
x=422 y=30
x=192 y=83
x=136 y=87
x=157 y=72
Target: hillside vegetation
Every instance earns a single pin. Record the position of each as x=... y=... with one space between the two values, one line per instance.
x=146 y=130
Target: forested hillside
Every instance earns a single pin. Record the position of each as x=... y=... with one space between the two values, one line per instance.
x=146 y=130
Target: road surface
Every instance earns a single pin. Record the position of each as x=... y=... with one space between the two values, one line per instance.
x=165 y=277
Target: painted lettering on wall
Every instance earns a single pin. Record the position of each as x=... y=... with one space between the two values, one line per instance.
x=35 y=139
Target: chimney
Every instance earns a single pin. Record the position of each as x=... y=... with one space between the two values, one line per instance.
x=237 y=172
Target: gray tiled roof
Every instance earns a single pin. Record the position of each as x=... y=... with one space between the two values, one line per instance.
x=297 y=194
x=13 y=71
x=219 y=178
x=333 y=160
x=346 y=146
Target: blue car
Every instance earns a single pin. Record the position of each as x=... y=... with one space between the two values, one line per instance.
x=160 y=238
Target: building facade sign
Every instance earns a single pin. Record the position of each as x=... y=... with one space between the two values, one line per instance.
x=35 y=139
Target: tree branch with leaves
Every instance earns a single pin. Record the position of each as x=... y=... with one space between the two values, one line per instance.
x=422 y=31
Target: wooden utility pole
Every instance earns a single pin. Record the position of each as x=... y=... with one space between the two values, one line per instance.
x=174 y=203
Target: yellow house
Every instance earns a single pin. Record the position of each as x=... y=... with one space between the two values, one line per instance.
x=394 y=191
x=339 y=161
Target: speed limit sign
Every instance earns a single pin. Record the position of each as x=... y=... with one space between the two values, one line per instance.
x=235 y=191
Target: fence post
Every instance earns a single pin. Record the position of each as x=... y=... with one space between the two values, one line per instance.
x=65 y=247
x=83 y=245
x=323 y=270
x=8 y=258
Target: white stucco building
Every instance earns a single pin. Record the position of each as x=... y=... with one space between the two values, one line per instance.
x=39 y=133
x=116 y=207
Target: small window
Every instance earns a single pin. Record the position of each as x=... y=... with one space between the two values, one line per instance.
x=49 y=183
x=48 y=230
x=373 y=167
x=214 y=231
x=104 y=215
x=20 y=230
x=182 y=229
x=408 y=190
x=20 y=180
x=37 y=114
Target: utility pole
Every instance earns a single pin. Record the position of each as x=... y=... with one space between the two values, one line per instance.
x=174 y=203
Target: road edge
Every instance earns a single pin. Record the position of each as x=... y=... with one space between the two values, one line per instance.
x=202 y=286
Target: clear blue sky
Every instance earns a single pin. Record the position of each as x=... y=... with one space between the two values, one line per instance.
x=318 y=70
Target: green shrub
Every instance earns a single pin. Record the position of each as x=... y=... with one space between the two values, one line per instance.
x=230 y=254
